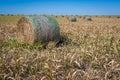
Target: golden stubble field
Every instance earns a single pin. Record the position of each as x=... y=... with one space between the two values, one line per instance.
x=90 y=51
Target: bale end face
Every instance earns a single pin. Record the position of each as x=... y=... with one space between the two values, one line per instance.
x=25 y=32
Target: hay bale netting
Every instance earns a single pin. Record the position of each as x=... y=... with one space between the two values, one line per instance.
x=38 y=28
x=73 y=19
x=88 y=18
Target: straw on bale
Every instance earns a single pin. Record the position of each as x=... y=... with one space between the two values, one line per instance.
x=73 y=19
x=38 y=28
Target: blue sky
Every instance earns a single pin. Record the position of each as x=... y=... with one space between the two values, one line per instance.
x=61 y=7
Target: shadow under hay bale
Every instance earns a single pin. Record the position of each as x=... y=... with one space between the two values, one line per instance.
x=38 y=28
x=73 y=19
x=64 y=40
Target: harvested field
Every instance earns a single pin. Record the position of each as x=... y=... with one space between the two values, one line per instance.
x=8 y=25
x=9 y=20
x=90 y=50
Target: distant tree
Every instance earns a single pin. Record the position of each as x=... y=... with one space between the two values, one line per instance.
x=12 y=15
x=2 y=14
x=8 y=14
x=35 y=14
x=96 y=16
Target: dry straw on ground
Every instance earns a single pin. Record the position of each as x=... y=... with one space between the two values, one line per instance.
x=7 y=32
x=91 y=51
x=38 y=28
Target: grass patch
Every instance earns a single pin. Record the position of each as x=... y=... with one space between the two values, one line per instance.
x=13 y=43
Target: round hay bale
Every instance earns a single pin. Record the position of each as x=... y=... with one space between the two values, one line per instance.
x=56 y=16
x=83 y=17
x=38 y=28
x=73 y=19
x=88 y=18
x=118 y=17
x=109 y=16
x=80 y=16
